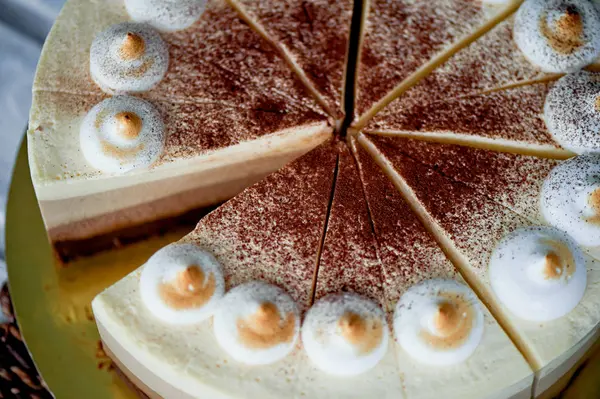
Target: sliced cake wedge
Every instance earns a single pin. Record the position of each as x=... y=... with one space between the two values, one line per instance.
x=543 y=269
x=268 y=236
x=412 y=260
x=227 y=112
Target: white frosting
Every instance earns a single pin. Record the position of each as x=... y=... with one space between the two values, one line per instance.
x=558 y=35
x=572 y=112
x=113 y=144
x=345 y=334
x=439 y=322
x=166 y=15
x=570 y=199
x=257 y=323
x=181 y=284
x=128 y=57
x=538 y=273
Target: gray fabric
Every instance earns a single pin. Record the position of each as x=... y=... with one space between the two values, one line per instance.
x=23 y=26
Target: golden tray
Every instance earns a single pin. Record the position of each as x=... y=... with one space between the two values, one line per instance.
x=52 y=304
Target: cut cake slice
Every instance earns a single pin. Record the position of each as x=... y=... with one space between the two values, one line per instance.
x=228 y=99
x=469 y=226
x=271 y=232
x=314 y=38
x=409 y=255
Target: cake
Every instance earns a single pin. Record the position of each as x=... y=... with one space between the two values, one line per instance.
x=475 y=228
x=227 y=99
x=411 y=197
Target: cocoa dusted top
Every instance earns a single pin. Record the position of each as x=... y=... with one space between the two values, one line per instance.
x=272 y=231
x=316 y=33
x=513 y=180
x=403 y=35
x=408 y=252
x=221 y=60
x=513 y=114
x=349 y=260
x=474 y=223
x=491 y=62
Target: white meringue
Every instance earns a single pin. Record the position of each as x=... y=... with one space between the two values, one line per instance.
x=257 y=323
x=128 y=57
x=572 y=112
x=570 y=199
x=439 y=322
x=166 y=15
x=558 y=35
x=345 y=334
x=182 y=284
x=538 y=273
x=122 y=133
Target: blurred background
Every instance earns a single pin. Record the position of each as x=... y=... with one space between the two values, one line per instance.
x=24 y=25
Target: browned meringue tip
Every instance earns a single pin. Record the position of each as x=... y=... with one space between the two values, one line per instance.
x=129 y=125
x=188 y=290
x=566 y=35
x=559 y=261
x=266 y=327
x=453 y=322
x=365 y=334
x=133 y=47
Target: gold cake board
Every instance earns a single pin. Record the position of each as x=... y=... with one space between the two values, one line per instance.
x=52 y=305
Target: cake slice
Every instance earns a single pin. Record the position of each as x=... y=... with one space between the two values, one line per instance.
x=227 y=99
x=512 y=180
x=403 y=41
x=349 y=266
x=543 y=40
x=510 y=120
x=559 y=193
x=410 y=257
x=314 y=38
x=270 y=233
x=552 y=325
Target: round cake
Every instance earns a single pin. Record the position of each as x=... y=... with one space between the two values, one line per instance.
x=393 y=199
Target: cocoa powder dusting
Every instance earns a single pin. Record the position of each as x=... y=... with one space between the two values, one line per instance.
x=402 y=35
x=492 y=61
x=349 y=260
x=409 y=254
x=272 y=230
x=512 y=180
x=513 y=114
x=316 y=33
x=220 y=59
x=474 y=223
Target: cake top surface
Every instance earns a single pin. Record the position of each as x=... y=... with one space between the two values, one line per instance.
x=401 y=36
x=216 y=93
x=512 y=180
x=513 y=115
x=274 y=238
x=316 y=35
